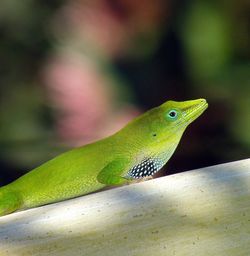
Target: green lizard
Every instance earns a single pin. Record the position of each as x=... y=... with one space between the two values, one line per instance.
x=138 y=150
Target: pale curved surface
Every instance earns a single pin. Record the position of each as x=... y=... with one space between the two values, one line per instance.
x=200 y=212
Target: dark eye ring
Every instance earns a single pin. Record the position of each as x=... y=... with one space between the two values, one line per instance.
x=172 y=114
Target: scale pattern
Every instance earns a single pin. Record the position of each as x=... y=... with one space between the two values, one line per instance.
x=147 y=167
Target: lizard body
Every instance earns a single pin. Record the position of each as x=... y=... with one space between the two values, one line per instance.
x=138 y=150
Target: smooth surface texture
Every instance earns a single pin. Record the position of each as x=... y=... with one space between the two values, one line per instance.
x=200 y=212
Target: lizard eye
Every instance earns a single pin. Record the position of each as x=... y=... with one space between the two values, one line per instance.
x=172 y=114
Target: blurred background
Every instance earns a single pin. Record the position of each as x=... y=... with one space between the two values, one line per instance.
x=72 y=72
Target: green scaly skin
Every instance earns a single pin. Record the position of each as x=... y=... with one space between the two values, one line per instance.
x=153 y=135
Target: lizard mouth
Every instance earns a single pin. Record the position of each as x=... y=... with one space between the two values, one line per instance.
x=195 y=110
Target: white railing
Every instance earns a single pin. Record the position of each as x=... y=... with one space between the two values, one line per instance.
x=200 y=212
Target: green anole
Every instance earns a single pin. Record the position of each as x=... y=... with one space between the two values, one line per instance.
x=138 y=150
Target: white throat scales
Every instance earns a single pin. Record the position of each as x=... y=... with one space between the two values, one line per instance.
x=151 y=165
x=147 y=167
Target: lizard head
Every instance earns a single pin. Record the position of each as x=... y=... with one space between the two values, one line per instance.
x=154 y=136
x=167 y=122
x=161 y=128
x=181 y=114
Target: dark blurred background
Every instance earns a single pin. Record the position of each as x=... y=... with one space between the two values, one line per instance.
x=72 y=72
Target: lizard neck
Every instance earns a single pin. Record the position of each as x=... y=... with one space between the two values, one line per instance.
x=151 y=158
